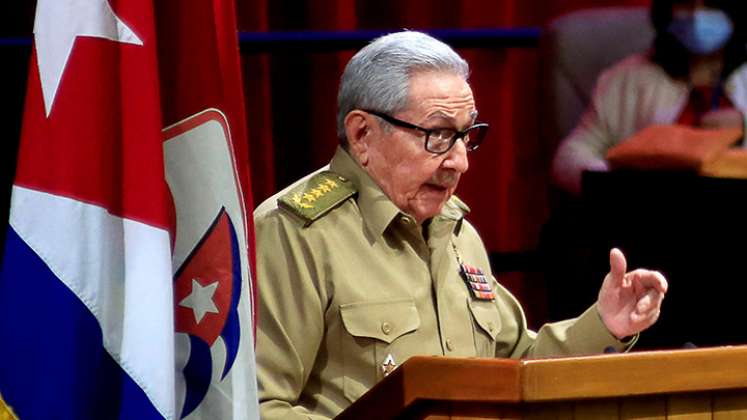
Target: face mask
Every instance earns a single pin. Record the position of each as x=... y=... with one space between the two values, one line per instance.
x=704 y=32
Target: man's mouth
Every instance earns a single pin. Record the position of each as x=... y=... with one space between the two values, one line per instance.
x=438 y=187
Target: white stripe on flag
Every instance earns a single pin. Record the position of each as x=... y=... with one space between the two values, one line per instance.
x=121 y=270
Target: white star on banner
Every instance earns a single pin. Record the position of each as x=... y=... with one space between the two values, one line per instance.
x=201 y=300
x=58 y=23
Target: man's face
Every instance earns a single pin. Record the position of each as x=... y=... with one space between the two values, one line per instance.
x=417 y=181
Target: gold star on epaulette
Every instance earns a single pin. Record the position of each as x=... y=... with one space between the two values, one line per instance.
x=318 y=195
x=309 y=197
x=297 y=200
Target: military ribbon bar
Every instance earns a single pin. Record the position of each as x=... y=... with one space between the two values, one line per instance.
x=477 y=282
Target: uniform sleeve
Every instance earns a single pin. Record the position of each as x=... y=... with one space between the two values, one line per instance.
x=291 y=317
x=585 y=148
x=585 y=335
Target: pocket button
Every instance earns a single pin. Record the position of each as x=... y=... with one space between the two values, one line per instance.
x=449 y=345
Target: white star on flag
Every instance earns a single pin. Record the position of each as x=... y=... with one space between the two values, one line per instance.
x=58 y=23
x=201 y=300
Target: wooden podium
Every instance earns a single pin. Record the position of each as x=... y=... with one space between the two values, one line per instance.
x=683 y=384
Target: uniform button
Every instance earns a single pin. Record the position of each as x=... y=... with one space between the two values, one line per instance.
x=449 y=345
x=386 y=327
x=491 y=327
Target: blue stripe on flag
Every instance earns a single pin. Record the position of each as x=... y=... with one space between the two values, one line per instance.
x=232 y=331
x=196 y=374
x=52 y=362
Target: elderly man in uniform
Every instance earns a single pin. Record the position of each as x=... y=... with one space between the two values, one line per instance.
x=370 y=261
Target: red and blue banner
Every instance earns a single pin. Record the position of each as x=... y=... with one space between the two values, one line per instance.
x=126 y=287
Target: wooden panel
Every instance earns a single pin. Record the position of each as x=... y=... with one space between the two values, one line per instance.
x=429 y=378
x=487 y=416
x=689 y=407
x=486 y=380
x=730 y=406
x=430 y=410
x=595 y=387
x=596 y=410
x=462 y=410
x=634 y=374
x=549 y=411
x=643 y=408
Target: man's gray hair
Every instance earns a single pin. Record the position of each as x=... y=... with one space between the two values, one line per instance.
x=378 y=76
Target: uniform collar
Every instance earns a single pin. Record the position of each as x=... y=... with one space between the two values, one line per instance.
x=377 y=210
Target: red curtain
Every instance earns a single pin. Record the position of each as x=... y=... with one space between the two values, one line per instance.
x=291 y=103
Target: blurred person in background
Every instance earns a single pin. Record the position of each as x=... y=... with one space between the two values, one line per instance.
x=694 y=75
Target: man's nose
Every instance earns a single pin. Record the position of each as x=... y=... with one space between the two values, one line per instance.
x=456 y=157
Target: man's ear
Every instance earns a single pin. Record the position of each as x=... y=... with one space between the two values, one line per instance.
x=359 y=130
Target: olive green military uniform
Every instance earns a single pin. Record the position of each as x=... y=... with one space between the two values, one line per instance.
x=347 y=280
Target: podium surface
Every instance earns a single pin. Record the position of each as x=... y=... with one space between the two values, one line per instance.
x=682 y=384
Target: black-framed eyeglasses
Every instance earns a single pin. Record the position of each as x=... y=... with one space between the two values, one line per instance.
x=441 y=140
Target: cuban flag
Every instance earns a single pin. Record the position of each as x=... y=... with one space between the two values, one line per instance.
x=126 y=285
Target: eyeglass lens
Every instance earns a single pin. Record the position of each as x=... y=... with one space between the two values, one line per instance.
x=442 y=140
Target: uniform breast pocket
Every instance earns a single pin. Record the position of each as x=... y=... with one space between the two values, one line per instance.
x=486 y=326
x=372 y=329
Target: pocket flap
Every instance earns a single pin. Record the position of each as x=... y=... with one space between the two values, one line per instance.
x=487 y=317
x=382 y=320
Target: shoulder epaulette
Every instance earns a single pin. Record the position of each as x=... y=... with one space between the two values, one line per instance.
x=312 y=199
